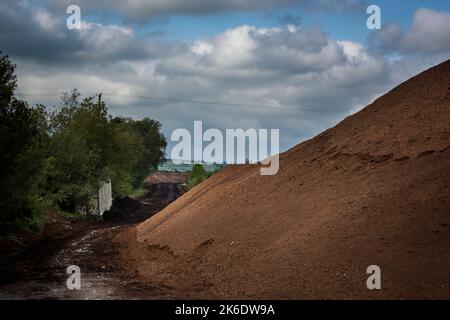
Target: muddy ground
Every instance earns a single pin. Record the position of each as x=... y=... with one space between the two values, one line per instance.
x=39 y=271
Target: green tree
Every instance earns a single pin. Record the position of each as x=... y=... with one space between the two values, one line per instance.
x=90 y=147
x=197 y=175
x=154 y=145
x=63 y=157
x=82 y=144
x=23 y=143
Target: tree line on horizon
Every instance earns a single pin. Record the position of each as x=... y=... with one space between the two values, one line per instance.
x=58 y=158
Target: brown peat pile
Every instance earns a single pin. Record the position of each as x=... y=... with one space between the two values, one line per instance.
x=374 y=190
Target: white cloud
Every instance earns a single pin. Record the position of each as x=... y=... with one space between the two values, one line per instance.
x=430 y=32
x=286 y=69
x=45 y=20
x=296 y=79
x=202 y=48
x=234 y=48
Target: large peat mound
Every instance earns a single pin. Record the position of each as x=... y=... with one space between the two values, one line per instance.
x=374 y=190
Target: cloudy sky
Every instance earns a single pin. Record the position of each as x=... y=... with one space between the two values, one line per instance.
x=299 y=66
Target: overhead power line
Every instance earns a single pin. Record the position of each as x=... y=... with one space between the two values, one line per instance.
x=211 y=103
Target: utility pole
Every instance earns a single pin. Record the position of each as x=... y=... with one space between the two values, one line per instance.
x=98 y=190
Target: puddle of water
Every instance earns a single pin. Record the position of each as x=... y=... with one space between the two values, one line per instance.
x=94 y=285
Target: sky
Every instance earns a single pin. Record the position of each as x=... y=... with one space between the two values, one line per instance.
x=300 y=66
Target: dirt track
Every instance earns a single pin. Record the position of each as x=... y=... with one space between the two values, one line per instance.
x=40 y=271
x=94 y=253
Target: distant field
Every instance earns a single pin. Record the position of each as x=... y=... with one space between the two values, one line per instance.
x=186 y=167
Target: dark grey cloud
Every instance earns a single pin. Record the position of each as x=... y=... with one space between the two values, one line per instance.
x=25 y=31
x=334 y=6
x=144 y=10
x=300 y=89
x=296 y=79
x=35 y=33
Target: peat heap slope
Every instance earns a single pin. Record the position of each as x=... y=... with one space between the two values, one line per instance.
x=374 y=190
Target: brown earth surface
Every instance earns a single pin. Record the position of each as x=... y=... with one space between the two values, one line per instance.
x=374 y=190
x=160 y=177
x=33 y=266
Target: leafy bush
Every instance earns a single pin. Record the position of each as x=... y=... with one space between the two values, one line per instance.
x=89 y=147
x=23 y=138
x=61 y=158
x=198 y=175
